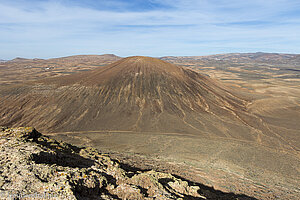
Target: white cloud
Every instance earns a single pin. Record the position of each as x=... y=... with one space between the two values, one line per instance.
x=52 y=28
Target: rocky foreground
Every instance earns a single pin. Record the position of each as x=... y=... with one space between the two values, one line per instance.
x=33 y=166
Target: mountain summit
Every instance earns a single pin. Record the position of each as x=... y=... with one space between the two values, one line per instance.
x=132 y=68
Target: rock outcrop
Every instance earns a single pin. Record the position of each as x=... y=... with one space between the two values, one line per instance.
x=36 y=166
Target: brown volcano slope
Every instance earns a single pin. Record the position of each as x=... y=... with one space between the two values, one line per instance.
x=134 y=94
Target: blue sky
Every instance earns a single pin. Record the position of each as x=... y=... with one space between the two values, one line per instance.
x=55 y=28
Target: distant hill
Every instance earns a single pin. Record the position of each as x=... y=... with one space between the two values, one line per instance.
x=76 y=58
x=241 y=57
x=19 y=70
x=18 y=59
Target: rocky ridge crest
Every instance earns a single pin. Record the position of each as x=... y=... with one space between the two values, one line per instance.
x=33 y=164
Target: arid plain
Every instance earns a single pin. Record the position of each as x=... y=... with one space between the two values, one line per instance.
x=251 y=148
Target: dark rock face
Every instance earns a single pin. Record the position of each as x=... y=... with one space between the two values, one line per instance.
x=33 y=164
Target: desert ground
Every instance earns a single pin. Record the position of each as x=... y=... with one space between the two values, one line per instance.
x=264 y=163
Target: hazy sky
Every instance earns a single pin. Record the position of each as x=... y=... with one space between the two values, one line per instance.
x=55 y=28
